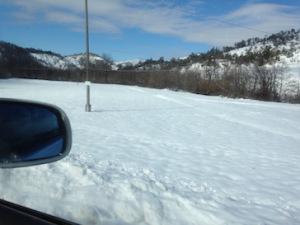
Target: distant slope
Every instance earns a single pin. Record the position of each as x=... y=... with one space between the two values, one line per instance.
x=13 y=56
x=260 y=68
x=285 y=44
x=282 y=48
x=52 y=61
x=78 y=60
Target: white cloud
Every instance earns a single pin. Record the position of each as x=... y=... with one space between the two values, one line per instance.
x=63 y=17
x=166 y=17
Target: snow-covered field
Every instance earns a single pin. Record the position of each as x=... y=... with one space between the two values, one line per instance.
x=146 y=156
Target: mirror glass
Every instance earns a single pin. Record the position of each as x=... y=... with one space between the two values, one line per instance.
x=29 y=132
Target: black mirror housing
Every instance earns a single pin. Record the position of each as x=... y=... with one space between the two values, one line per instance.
x=32 y=133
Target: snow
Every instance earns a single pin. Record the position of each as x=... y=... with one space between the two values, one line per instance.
x=50 y=60
x=183 y=57
x=73 y=61
x=255 y=48
x=133 y=62
x=292 y=63
x=195 y=67
x=78 y=59
x=146 y=156
x=114 y=67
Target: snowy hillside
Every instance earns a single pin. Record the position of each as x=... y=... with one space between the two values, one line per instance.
x=132 y=62
x=79 y=59
x=53 y=61
x=67 y=62
x=146 y=156
x=128 y=64
x=289 y=57
x=291 y=60
x=285 y=45
x=17 y=57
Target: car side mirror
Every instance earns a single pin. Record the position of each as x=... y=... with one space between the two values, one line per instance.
x=32 y=133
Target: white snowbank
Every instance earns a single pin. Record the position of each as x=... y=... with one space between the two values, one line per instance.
x=146 y=156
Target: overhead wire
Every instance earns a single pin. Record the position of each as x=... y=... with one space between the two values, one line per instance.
x=239 y=25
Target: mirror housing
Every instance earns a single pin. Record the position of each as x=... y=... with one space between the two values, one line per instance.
x=32 y=133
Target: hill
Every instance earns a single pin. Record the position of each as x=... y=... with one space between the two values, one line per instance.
x=281 y=48
x=13 y=56
x=260 y=68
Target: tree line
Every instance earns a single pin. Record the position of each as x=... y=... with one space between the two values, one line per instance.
x=237 y=81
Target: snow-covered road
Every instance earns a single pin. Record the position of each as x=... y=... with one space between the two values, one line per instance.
x=146 y=156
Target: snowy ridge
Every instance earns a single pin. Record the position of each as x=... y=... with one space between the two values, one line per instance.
x=67 y=62
x=133 y=62
x=288 y=59
x=291 y=61
x=79 y=59
x=285 y=43
x=147 y=156
x=52 y=61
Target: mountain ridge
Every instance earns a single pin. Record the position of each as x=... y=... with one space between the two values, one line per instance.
x=11 y=54
x=282 y=47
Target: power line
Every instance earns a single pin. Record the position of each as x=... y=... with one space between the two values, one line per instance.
x=241 y=26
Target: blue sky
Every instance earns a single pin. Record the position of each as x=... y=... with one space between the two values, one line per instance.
x=139 y=29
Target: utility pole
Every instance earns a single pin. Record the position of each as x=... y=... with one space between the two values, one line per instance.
x=88 y=106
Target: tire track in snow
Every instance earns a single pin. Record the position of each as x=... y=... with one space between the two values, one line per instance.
x=227 y=118
x=137 y=89
x=261 y=128
x=172 y=100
